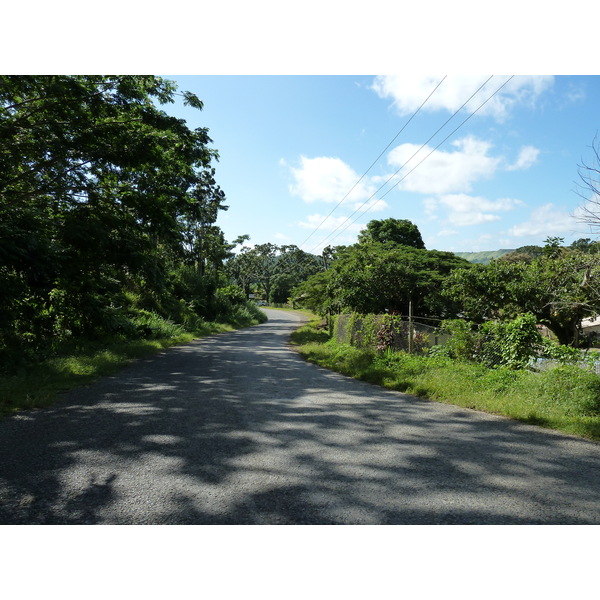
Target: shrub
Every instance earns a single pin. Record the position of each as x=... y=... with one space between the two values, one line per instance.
x=243 y=315
x=511 y=344
x=231 y=294
x=463 y=342
x=149 y=325
x=575 y=390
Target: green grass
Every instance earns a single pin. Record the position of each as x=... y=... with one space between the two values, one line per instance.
x=313 y=332
x=566 y=399
x=38 y=384
x=303 y=311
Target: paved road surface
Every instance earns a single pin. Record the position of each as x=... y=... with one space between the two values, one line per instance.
x=237 y=429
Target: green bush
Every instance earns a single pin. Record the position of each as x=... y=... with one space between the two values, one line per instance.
x=464 y=341
x=575 y=390
x=566 y=355
x=232 y=295
x=243 y=315
x=511 y=344
x=149 y=325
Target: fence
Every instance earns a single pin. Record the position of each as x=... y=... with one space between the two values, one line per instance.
x=386 y=331
x=542 y=364
x=380 y=332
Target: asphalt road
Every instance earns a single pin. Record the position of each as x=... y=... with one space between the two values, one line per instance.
x=238 y=429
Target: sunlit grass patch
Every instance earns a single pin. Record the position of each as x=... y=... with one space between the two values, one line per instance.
x=38 y=384
x=566 y=399
x=313 y=332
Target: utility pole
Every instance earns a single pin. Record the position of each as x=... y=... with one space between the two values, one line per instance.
x=410 y=327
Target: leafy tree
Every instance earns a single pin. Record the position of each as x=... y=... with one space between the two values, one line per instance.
x=586 y=245
x=560 y=290
x=293 y=267
x=374 y=277
x=273 y=269
x=282 y=285
x=101 y=194
x=553 y=247
x=265 y=266
x=398 y=231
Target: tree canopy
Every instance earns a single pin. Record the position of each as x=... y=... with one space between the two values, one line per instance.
x=559 y=288
x=272 y=270
x=397 y=231
x=102 y=195
x=374 y=276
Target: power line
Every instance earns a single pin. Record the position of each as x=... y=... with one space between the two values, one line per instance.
x=394 y=174
x=434 y=149
x=374 y=162
x=424 y=158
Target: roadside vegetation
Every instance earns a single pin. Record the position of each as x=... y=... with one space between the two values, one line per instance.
x=37 y=383
x=490 y=318
x=109 y=248
x=566 y=398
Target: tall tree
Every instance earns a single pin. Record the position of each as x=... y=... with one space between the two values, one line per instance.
x=99 y=191
x=293 y=267
x=396 y=231
x=372 y=277
x=561 y=289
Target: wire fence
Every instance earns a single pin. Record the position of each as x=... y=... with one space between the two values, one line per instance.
x=383 y=332
x=542 y=364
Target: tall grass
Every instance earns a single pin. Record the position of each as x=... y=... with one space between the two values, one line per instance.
x=565 y=399
x=33 y=383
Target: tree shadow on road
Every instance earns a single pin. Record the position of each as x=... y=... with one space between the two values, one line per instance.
x=236 y=429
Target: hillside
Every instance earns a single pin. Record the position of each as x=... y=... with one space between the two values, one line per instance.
x=482 y=258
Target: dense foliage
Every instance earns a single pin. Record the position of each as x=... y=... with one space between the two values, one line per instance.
x=379 y=274
x=107 y=209
x=271 y=271
x=400 y=232
x=560 y=286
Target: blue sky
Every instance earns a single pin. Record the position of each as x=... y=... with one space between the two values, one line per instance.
x=296 y=128
x=292 y=148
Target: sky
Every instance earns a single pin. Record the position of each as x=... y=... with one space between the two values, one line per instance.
x=310 y=160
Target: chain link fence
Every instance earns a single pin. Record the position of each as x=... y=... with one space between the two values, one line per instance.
x=382 y=332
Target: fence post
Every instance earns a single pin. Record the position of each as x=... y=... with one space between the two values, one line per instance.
x=410 y=327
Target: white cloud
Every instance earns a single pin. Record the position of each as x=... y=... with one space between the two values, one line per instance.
x=373 y=205
x=527 y=157
x=462 y=210
x=328 y=179
x=431 y=208
x=331 y=224
x=334 y=231
x=545 y=221
x=409 y=91
x=444 y=172
x=446 y=233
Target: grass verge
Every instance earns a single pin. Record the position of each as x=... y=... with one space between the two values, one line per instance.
x=566 y=399
x=37 y=384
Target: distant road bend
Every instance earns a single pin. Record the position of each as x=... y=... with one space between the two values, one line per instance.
x=238 y=429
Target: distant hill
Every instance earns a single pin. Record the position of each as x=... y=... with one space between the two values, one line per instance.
x=482 y=258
